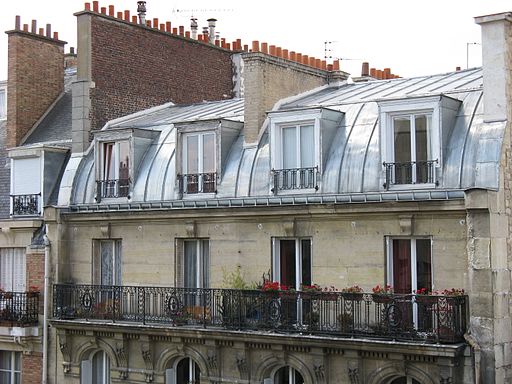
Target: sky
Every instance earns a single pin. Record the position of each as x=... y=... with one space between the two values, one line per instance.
x=411 y=37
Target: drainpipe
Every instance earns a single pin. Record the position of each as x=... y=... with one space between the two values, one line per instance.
x=46 y=302
x=476 y=350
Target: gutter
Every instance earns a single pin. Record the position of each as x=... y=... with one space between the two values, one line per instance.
x=46 y=302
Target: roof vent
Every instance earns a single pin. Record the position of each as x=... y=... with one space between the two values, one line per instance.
x=211 y=27
x=141 y=9
x=193 y=28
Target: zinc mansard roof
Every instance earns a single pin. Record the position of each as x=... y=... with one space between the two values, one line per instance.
x=353 y=165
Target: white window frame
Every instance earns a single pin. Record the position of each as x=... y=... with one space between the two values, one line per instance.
x=388 y=110
x=200 y=150
x=202 y=277
x=28 y=185
x=276 y=258
x=171 y=373
x=7 y=256
x=13 y=371
x=117 y=259
x=87 y=374
x=116 y=158
x=3 y=106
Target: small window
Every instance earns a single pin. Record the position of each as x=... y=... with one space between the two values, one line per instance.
x=3 y=103
x=12 y=269
x=199 y=167
x=114 y=178
x=185 y=371
x=10 y=367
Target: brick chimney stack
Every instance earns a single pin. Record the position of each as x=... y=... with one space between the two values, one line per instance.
x=35 y=77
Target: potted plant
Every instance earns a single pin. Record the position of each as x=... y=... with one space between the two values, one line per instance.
x=382 y=294
x=33 y=291
x=355 y=293
x=425 y=296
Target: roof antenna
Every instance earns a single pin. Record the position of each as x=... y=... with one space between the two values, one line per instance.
x=141 y=9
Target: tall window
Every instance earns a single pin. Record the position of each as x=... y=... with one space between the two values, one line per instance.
x=291 y=262
x=115 y=169
x=199 y=168
x=107 y=262
x=96 y=370
x=12 y=269
x=195 y=264
x=3 y=103
x=10 y=367
x=186 y=371
x=286 y=375
x=409 y=264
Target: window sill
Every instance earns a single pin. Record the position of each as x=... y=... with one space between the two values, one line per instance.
x=406 y=187
x=303 y=191
x=199 y=196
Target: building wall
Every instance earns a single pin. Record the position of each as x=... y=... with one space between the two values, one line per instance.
x=32 y=368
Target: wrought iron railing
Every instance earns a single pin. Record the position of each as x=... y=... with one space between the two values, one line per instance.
x=295 y=178
x=26 y=205
x=404 y=317
x=414 y=172
x=198 y=183
x=113 y=188
x=19 y=308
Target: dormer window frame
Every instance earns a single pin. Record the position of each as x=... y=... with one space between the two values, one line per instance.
x=413 y=173
x=297 y=179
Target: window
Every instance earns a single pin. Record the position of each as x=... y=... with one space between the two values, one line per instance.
x=3 y=103
x=199 y=167
x=12 y=269
x=114 y=178
x=26 y=186
x=292 y=262
x=194 y=264
x=285 y=375
x=186 y=371
x=107 y=262
x=10 y=367
x=96 y=370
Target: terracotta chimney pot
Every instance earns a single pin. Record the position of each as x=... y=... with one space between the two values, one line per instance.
x=255 y=46
x=41 y=31
x=167 y=26
x=155 y=22
x=187 y=33
x=120 y=15
x=95 y=5
x=365 y=69
x=264 y=48
x=272 y=50
x=298 y=58
x=336 y=65
x=134 y=19
x=111 y=11
x=25 y=27
x=127 y=15
x=373 y=72
x=175 y=31
x=17 y=23
x=104 y=10
x=285 y=54
x=55 y=35
x=181 y=28
x=87 y=6
x=293 y=56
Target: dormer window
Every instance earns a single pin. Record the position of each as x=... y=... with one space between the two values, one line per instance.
x=412 y=133
x=114 y=178
x=199 y=169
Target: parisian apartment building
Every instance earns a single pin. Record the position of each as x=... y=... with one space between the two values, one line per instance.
x=178 y=208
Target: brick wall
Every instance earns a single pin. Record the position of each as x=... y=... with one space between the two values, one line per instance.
x=5 y=174
x=135 y=67
x=35 y=270
x=32 y=368
x=35 y=79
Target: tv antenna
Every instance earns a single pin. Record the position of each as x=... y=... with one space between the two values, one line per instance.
x=192 y=12
x=328 y=52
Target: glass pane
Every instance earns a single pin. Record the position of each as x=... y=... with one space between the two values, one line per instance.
x=208 y=153
x=402 y=266
x=306 y=261
x=5 y=360
x=281 y=376
x=206 y=263
x=192 y=161
x=182 y=371
x=108 y=161
x=106 y=262
x=290 y=148
x=423 y=264
x=97 y=368
x=307 y=146
x=124 y=160
x=421 y=138
x=190 y=265
x=402 y=139
x=5 y=377
x=287 y=263
x=17 y=361
x=117 y=260
x=6 y=265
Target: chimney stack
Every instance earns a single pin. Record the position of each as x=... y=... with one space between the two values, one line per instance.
x=211 y=30
x=365 y=69
x=141 y=10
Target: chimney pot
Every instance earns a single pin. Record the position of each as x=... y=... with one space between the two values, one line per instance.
x=312 y=61
x=365 y=68
x=41 y=31
x=127 y=15
x=175 y=31
x=457 y=69
x=298 y=57
x=55 y=35
x=379 y=74
x=104 y=10
x=285 y=54
x=329 y=67
x=134 y=19
x=217 y=43
x=239 y=44
x=34 y=26
x=279 y=52
x=387 y=73
x=95 y=5
x=211 y=29
x=120 y=15
x=336 y=65
x=87 y=6
x=293 y=56
x=228 y=46
x=168 y=26
x=72 y=50
x=305 y=59
x=246 y=47
x=373 y=73
x=324 y=65
x=182 y=30
x=272 y=50
x=200 y=37
x=17 y=23
x=155 y=22
x=255 y=46
x=187 y=33
x=111 y=11
x=48 y=30
x=264 y=48
x=25 y=27
x=318 y=63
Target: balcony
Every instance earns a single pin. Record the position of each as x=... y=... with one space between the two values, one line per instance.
x=434 y=319
x=19 y=309
x=198 y=183
x=113 y=188
x=25 y=205
x=414 y=172
x=294 y=178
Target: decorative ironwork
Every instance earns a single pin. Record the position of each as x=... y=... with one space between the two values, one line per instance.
x=413 y=172
x=295 y=178
x=112 y=188
x=394 y=317
x=19 y=309
x=198 y=183
x=25 y=205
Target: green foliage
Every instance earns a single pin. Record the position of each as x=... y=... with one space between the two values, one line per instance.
x=234 y=279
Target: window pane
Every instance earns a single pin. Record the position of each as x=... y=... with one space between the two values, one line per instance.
x=117 y=263
x=287 y=262
x=192 y=161
x=290 y=148
x=306 y=261
x=5 y=360
x=307 y=146
x=206 y=263
x=402 y=139
x=182 y=371
x=190 y=265
x=6 y=263
x=97 y=368
x=421 y=138
x=108 y=161
x=17 y=361
x=124 y=160
x=208 y=153
x=107 y=262
x=423 y=264
x=402 y=266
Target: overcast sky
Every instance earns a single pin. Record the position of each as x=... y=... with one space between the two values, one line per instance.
x=411 y=37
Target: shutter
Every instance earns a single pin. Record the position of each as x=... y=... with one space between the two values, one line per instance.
x=170 y=376
x=6 y=269
x=19 y=270
x=86 y=372
x=26 y=176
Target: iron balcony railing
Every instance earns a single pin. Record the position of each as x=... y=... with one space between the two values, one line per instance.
x=294 y=178
x=113 y=188
x=25 y=205
x=198 y=183
x=414 y=172
x=19 y=309
x=393 y=317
